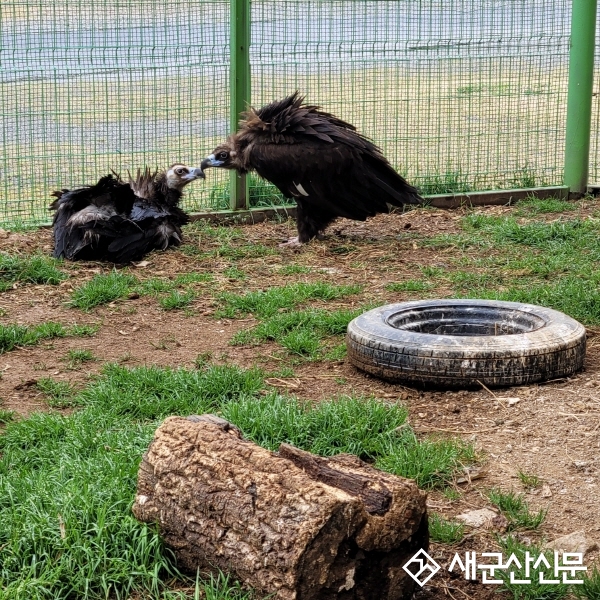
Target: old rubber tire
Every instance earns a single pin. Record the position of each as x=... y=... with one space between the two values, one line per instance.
x=458 y=343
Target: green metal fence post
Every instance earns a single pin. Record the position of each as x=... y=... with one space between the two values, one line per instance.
x=579 y=101
x=239 y=78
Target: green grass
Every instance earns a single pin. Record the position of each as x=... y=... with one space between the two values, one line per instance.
x=528 y=480
x=309 y=333
x=6 y=416
x=554 y=264
x=539 y=206
x=533 y=590
x=67 y=482
x=59 y=394
x=108 y=287
x=294 y=270
x=154 y=286
x=76 y=357
x=102 y=289
x=444 y=531
x=516 y=509
x=305 y=333
x=368 y=428
x=82 y=330
x=268 y=302
x=431 y=462
x=191 y=278
x=590 y=588
x=35 y=268
x=13 y=336
x=235 y=273
x=176 y=300
x=450 y=182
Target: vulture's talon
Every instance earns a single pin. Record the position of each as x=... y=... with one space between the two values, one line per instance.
x=293 y=242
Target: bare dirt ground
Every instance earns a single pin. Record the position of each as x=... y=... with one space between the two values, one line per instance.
x=553 y=431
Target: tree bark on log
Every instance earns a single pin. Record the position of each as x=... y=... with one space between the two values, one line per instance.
x=292 y=524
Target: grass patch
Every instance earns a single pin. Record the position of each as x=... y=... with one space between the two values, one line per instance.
x=12 y=336
x=7 y=416
x=261 y=194
x=82 y=330
x=538 y=206
x=234 y=273
x=517 y=571
x=590 y=588
x=235 y=252
x=102 y=289
x=368 y=428
x=74 y=357
x=268 y=302
x=190 y=278
x=516 y=509
x=444 y=531
x=66 y=485
x=34 y=268
x=431 y=462
x=294 y=270
x=451 y=182
x=155 y=286
x=59 y=394
x=305 y=333
x=67 y=482
x=529 y=481
x=554 y=264
x=176 y=300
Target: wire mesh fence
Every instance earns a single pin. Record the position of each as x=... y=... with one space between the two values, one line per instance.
x=595 y=128
x=87 y=87
x=464 y=95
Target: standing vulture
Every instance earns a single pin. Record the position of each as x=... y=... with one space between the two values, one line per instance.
x=322 y=162
x=120 y=221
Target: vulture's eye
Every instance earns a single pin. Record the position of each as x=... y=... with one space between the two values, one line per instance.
x=223 y=155
x=180 y=171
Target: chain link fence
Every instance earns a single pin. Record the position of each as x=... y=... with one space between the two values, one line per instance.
x=464 y=95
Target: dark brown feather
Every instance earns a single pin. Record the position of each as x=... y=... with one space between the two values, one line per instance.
x=318 y=159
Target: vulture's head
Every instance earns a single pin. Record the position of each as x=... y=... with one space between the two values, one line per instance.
x=224 y=156
x=178 y=176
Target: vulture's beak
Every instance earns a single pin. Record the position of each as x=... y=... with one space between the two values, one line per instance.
x=210 y=161
x=197 y=173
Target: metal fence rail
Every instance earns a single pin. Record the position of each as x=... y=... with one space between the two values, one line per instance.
x=464 y=95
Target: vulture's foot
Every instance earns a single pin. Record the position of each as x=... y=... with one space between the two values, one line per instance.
x=292 y=243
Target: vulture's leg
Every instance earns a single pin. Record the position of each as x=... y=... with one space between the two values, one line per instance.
x=310 y=224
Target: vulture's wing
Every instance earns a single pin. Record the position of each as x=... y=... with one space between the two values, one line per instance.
x=340 y=179
x=150 y=226
x=67 y=239
x=83 y=216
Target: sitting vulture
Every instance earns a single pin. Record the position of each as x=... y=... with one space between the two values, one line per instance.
x=322 y=162
x=120 y=221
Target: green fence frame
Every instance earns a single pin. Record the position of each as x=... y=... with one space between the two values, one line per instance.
x=504 y=93
x=240 y=91
x=579 y=100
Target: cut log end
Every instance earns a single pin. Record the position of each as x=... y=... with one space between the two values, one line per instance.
x=292 y=524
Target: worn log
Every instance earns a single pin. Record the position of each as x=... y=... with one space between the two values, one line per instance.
x=291 y=524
